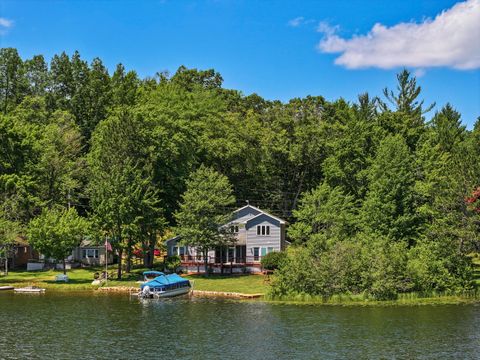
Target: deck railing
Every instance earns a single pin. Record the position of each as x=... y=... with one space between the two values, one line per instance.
x=217 y=260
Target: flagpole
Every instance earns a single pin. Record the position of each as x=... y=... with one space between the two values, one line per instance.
x=106 y=259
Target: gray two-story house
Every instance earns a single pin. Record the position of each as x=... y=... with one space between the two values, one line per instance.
x=257 y=233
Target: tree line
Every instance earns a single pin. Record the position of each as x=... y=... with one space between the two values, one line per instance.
x=377 y=197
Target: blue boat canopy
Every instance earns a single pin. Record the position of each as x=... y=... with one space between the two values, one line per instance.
x=165 y=282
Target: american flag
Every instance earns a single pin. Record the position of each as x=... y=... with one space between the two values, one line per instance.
x=108 y=246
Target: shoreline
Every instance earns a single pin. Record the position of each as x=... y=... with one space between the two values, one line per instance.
x=259 y=297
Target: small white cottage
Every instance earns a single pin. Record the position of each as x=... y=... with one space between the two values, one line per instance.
x=257 y=234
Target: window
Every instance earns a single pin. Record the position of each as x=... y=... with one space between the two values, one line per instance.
x=256 y=253
x=263 y=230
x=234 y=228
x=175 y=250
x=269 y=250
x=182 y=250
x=90 y=253
x=264 y=251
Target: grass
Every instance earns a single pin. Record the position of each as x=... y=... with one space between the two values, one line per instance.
x=81 y=279
x=476 y=268
x=246 y=284
x=408 y=299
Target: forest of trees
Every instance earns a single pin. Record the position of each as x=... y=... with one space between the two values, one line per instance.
x=378 y=199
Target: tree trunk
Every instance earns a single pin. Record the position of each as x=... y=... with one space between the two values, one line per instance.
x=119 y=271
x=64 y=267
x=221 y=260
x=146 y=254
x=129 y=257
x=205 y=260
x=153 y=241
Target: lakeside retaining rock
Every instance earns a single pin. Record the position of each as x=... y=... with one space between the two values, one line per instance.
x=127 y=289
x=233 y=295
x=199 y=293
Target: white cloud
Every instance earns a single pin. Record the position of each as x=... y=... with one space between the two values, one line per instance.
x=299 y=21
x=296 y=22
x=452 y=39
x=5 y=23
x=418 y=73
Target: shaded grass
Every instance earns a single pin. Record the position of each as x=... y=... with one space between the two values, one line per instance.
x=476 y=269
x=409 y=299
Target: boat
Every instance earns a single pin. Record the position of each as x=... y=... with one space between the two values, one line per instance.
x=30 y=290
x=162 y=286
x=6 y=288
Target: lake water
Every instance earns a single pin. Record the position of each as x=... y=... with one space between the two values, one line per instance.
x=57 y=326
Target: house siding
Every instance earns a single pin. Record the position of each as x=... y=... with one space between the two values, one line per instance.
x=263 y=241
x=247 y=219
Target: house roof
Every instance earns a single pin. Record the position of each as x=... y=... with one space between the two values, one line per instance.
x=178 y=237
x=21 y=241
x=261 y=213
x=267 y=214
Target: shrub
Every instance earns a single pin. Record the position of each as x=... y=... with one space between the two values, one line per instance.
x=273 y=260
x=172 y=262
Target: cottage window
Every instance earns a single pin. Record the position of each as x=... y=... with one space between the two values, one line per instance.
x=90 y=253
x=259 y=229
x=268 y=229
x=269 y=250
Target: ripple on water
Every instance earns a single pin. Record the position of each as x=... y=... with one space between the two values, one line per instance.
x=93 y=327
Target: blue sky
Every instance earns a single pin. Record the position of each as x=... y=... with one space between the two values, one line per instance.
x=278 y=49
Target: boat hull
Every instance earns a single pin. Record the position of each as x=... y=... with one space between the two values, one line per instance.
x=152 y=294
x=29 y=291
x=170 y=293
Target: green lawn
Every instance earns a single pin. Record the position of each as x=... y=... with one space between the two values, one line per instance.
x=81 y=279
x=246 y=284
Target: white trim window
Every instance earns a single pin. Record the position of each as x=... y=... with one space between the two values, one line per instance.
x=90 y=253
x=263 y=230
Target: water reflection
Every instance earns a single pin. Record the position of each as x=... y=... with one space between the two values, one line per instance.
x=92 y=327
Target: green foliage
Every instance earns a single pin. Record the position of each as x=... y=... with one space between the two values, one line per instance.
x=324 y=213
x=379 y=201
x=172 y=263
x=388 y=209
x=273 y=260
x=56 y=232
x=204 y=209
